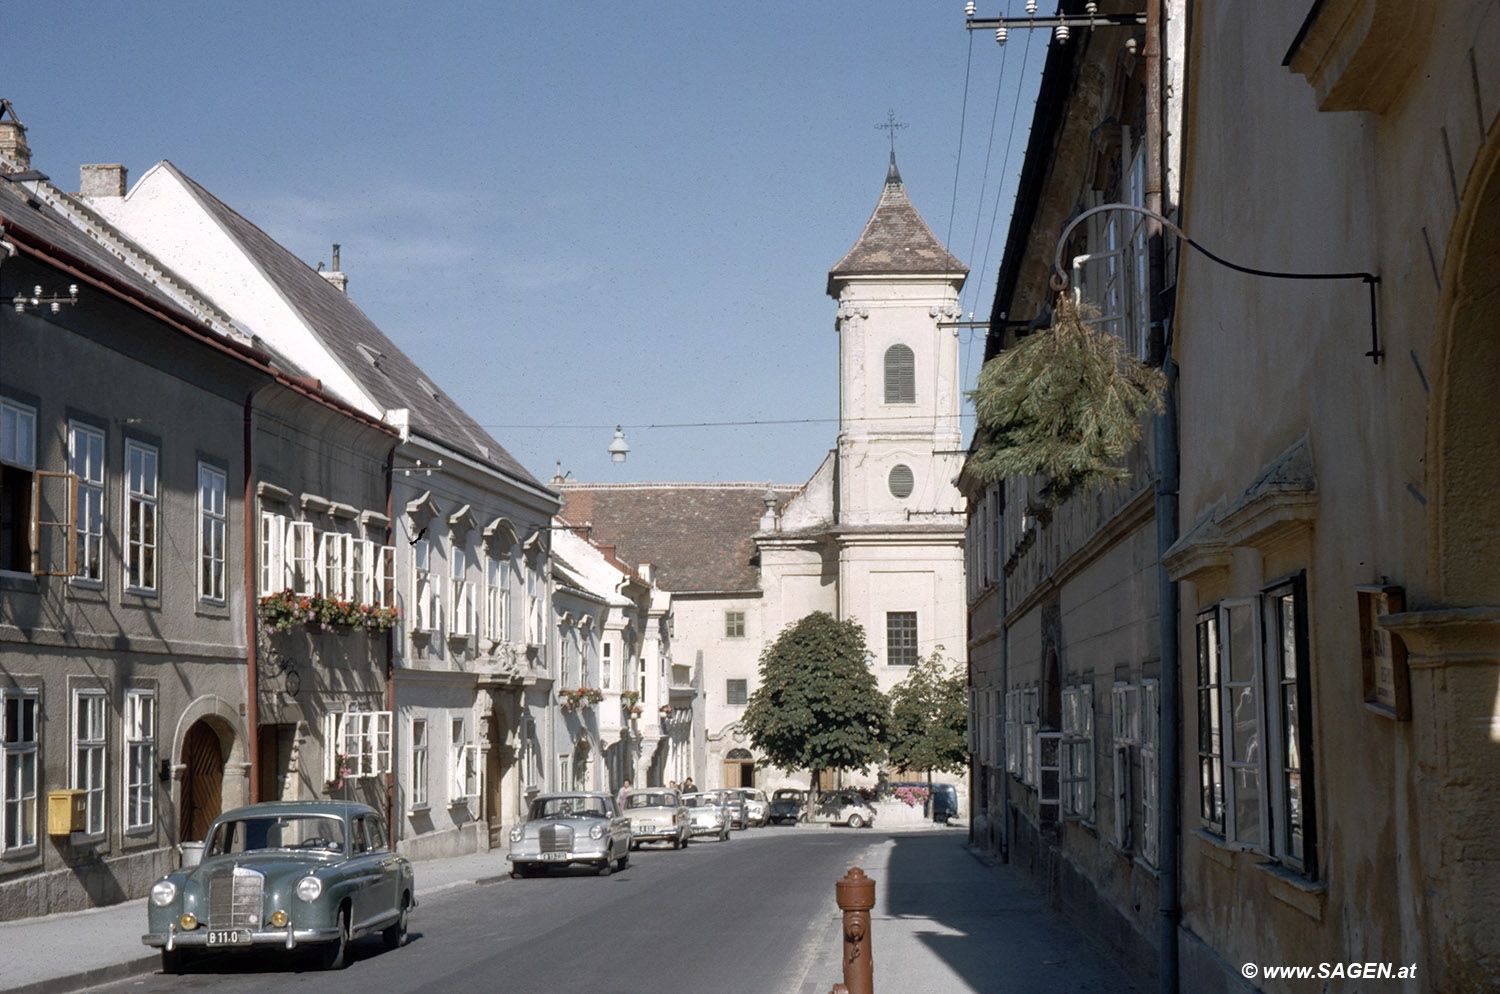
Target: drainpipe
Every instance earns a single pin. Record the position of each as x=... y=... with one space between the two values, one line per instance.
x=252 y=675
x=1004 y=689
x=390 y=653
x=1165 y=433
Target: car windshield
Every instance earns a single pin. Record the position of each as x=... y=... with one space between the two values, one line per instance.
x=321 y=833
x=787 y=795
x=700 y=801
x=567 y=807
x=661 y=799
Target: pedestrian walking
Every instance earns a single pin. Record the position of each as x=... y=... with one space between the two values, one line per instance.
x=688 y=786
x=624 y=789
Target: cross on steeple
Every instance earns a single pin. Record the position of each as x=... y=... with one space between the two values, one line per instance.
x=891 y=124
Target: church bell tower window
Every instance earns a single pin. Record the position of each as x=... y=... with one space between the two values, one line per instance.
x=900 y=375
x=901 y=482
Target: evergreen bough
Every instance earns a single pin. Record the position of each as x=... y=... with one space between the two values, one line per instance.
x=1065 y=402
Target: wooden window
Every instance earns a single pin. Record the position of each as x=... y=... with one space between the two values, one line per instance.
x=497 y=598
x=17 y=468
x=1150 y=847
x=20 y=718
x=213 y=521
x=1125 y=720
x=273 y=543
x=464 y=765
x=332 y=566
x=425 y=601
x=1289 y=731
x=140 y=516
x=418 y=763
x=1076 y=760
x=299 y=571
x=140 y=759
x=462 y=599
x=606 y=664
x=734 y=624
x=900 y=375
x=356 y=744
x=86 y=463
x=736 y=692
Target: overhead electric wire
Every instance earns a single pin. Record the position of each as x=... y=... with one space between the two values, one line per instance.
x=1005 y=162
x=984 y=181
x=963 y=123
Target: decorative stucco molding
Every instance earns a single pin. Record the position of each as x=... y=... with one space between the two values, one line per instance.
x=1447 y=636
x=1361 y=54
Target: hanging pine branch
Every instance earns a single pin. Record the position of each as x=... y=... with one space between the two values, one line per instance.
x=1065 y=402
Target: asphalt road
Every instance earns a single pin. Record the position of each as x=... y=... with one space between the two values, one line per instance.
x=749 y=916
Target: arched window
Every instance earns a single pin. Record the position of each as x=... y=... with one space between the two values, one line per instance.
x=900 y=375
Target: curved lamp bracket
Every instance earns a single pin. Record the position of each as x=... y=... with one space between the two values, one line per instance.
x=1059 y=278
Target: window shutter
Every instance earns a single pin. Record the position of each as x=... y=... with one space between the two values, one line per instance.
x=900 y=375
x=332 y=740
x=382 y=741
x=272 y=553
x=385 y=575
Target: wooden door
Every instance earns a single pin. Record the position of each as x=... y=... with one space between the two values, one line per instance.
x=202 y=785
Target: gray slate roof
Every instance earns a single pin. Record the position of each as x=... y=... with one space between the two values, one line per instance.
x=896 y=240
x=386 y=372
x=698 y=536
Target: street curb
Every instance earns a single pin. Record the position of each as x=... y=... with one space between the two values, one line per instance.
x=91 y=978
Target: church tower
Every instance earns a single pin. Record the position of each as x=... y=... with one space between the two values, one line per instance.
x=899 y=389
x=897 y=521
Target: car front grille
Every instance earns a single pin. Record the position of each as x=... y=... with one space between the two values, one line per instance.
x=556 y=838
x=234 y=898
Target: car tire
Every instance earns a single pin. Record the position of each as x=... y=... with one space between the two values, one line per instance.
x=608 y=866
x=395 y=935
x=336 y=954
x=634 y=844
x=855 y=821
x=624 y=861
x=174 y=961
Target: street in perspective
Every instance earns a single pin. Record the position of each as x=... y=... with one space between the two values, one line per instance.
x=970 y=497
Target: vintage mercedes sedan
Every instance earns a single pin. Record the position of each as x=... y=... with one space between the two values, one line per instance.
x=570 y=828
x=283 y=876
x=657 y=815
x=707 y=815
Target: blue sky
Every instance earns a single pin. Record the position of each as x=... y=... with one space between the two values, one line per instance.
x=571 y=215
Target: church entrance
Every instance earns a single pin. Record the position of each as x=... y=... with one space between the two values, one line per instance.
x=739 y=769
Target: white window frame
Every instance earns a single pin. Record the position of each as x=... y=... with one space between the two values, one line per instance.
x=332 y=571
x=86 y=448
x=461 y=620
x=383 y=576
x=900 y=374
x=300 y=564
x=89 y=754
x=1125 y=725
x=426 y=602
x=1280 y=644
x=497 y=598
x=19 y=764
x=363 y=738
x=734 y=624
x=463 y=781
x=357 y=554
x=567 y=650
x=138 y=775
x=1029 y=732
x=536 y=623
x=1077 y=756
x=419 y=764
x=606 y=664
x=1235 y=692
x=213 y=533
x=273 y=546
x=890 y=645
x=141 y=493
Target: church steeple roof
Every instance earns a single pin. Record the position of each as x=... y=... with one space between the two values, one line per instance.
x=896 y=241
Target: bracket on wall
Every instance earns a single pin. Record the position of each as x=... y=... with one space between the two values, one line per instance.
x=1060 y=277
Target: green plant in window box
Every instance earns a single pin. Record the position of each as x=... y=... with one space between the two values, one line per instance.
x=1065 y=402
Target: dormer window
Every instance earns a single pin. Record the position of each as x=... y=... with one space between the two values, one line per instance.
x=900 y=375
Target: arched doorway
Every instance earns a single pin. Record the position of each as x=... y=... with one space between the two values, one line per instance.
x=202 y=782
x=739 y=768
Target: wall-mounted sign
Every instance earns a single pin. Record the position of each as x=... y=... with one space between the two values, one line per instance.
x=1386 y=686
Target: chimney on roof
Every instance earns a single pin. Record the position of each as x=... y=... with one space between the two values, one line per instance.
x=101 y=180
x=334 y=275
x=13 y=138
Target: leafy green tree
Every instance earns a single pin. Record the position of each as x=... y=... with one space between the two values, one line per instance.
x=818 y=706
x=930 y=719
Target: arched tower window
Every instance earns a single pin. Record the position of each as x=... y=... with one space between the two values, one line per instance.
x=900 y=375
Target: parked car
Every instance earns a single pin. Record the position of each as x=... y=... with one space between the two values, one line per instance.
x=843 y=807
x=657 y=815
x=280 y=876
x=944 y=798
x=575 y=827
x=707 y=815
x=787 y=804
x=757 y=808
x=734 y=804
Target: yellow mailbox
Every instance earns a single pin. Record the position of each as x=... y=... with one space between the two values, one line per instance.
x=67 y=811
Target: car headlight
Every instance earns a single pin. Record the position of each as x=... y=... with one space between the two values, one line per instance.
x=597 y=832
x=309 y=889
x=163 y=892
x=516 y=834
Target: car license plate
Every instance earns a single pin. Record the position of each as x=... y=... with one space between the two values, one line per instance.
x=229 y=937
x=554 y=855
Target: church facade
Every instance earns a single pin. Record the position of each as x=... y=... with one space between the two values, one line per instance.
x=875 y=535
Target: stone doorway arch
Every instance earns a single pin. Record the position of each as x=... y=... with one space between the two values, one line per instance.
x=212 y=767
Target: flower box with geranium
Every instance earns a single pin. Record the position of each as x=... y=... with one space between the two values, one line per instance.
x=913 y=797
x=580 y=697
x=284 y=611
x=630 y=703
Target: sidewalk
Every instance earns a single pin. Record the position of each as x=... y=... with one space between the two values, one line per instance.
x=948 y=920
x=45 y=955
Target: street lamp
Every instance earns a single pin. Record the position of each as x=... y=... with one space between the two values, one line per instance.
x=619 y=448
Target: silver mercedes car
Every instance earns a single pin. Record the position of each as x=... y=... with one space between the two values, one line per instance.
x=566 y=828
x=707 y=815
x=657 y=814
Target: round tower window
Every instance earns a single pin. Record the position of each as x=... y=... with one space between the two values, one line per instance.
x=901 y=482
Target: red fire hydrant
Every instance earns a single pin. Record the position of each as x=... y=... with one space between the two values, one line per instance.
x=855 y=893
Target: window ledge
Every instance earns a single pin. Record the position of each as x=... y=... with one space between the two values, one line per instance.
x=1147 y=867
x=1295 y=890
x=140 y=597
x=418 y=809
x=12 y=580
x=85 y=588
x=1216 y=848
